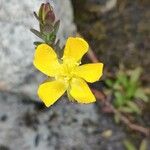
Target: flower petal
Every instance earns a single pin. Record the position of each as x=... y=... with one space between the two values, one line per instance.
x=45 y=60
x=75 y=48
x=90 y=72
x=50 y=92
x=81 y=92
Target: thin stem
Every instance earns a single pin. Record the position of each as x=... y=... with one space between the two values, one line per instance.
x=92 y=56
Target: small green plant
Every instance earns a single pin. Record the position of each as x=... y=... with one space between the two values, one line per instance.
x=130 y=146
x=126 y=88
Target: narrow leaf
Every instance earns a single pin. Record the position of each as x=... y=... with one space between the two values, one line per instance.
x=36 y=16
x=144 y=145
x=140 y=94
x=122 y=77
x=37 y=33
x=130 y=91
x=135 y=75
x=56 y=27
x=128 y=145
x=119 y=99
x=37 y=43
x=134 y=107
x=125 y=109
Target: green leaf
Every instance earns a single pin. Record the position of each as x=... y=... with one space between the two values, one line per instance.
x=135 y=75
x=51 y=38
x=109 y=83
x=130 y=91
x=58 y=49
x=134 y=107
x=37 y=33
x=122 y=78
x=128 y=145
x=36 y=16
x=140 y=94
x=117 y=86
x=57 y=45
x=125 y=109
x=37 y=43
x=119 y=99
x=144 y=145
x=56 y=27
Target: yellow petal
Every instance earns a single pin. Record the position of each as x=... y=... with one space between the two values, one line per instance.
x=81 y=92
x=50 y=92
x=75 y=48
x=45 y=60
x=90 y=72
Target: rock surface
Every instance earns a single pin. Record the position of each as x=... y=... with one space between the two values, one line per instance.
x=26 y=125
x=16 y=42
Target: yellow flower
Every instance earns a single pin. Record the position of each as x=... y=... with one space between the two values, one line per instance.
x=67 y=73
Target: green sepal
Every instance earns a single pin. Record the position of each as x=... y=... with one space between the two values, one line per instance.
x=69 y=96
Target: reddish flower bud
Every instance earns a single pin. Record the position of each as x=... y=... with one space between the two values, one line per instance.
x=46 y=14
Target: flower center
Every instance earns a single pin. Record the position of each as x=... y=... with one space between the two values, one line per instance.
x=66 y=72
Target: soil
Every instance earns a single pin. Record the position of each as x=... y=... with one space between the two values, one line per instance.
x=118 y=36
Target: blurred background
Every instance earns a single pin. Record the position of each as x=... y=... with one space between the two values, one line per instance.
x=118 y=31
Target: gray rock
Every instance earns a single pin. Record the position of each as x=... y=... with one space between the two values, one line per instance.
x=17 y=73
x=27 y=126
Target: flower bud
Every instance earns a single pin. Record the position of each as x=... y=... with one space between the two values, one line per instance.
x=46 y=14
